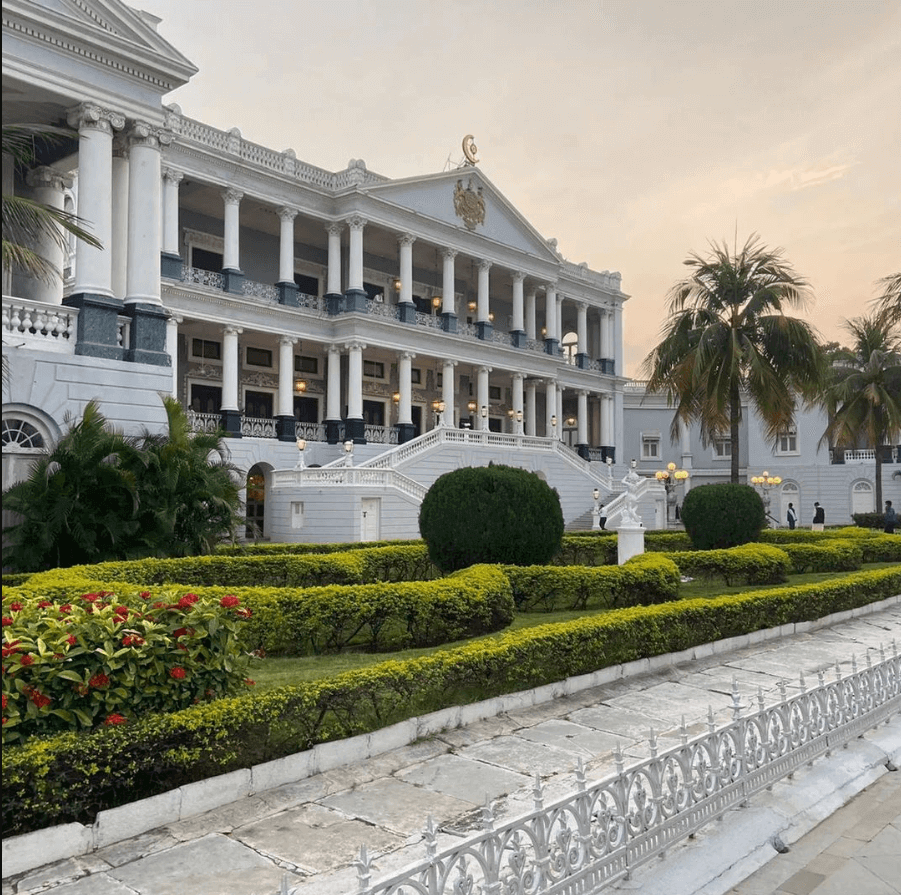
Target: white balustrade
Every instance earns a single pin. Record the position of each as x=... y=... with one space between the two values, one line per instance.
x=200 y=277
x=204 y=422
x=49 y=327
x=258 y=427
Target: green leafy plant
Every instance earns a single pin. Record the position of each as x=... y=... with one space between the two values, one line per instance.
x=722 y=515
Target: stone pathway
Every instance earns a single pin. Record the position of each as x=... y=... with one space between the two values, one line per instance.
x=313 y=829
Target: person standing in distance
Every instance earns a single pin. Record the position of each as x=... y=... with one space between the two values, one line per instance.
x=791 y=517
x=890 y=518
x=819 y=517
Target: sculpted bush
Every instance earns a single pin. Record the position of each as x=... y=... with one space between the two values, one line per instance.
x=723 y=515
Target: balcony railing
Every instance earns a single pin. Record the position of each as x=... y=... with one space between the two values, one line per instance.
x=53 y=326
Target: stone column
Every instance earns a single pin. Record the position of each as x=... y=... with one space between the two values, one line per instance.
x=231 y=415
x=92 y=294
x=49 y=185
x=608 y=443
x=231 y=256
x=355 y=425
x=550 y=410
x=405 y=406
x=483 y=323
x=448 y=313
x=530 y=414
x=531 y=325
x=551 y=336
x=617 y=338
x=333 y=397
x=559 y=414
x=172 y=324
x=118 y=248
x=171 y=263
x=406 y=308
x=518 y=332
x=582 y=433
x=518 y=409
x=147 y=344
x=448 y=391
x=606 y=342
x=285 y=413
x=334 y=298
x=582 y=357
x=482 y=397
x=287 y=288
x=355 y=297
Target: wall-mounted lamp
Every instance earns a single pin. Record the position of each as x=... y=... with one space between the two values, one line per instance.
x=491 y=316
x=484 y=412
x=571 y=421
x=300 y=385
x=397 y=285
x=633 y=463
x=471 y=306
x=436 y=301
x=554 y=421
x=348 y=447
x=471 y=406
x=519 y=416
x=396 y=397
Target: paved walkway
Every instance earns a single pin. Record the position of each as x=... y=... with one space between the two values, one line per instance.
x=312 y=830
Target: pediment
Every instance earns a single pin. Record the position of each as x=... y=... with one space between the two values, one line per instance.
x=466 y=199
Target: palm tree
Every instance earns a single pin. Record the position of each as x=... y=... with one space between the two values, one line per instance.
x=728 y=336
x=863 y=390
x=889 y=303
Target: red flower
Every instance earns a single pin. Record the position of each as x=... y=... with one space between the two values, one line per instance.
x=44 y=604
x=16 y=607
x=9 y=649
x=187 y=601
x=7 y=621
x=179 y=632
x=144 y=594
x=182 y=647
x=5 y=701
x=132 y=640
x=27 y=659
x=72 y=640
x=99 y=680
x=90 y=598
x=39 y=699
x=177 y=672
x=114 y=719
x=228 y=601
x=121 y=612
x=65 y=608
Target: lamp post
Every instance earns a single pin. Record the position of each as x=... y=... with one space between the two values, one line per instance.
x=348 y=453
x=765 y=482
x=438 y=407
x=301 y=447
x=596 y=511
x=554 y=427
x=669 y=478
x=519 y=422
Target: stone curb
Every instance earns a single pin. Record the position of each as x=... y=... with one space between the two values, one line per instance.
x=31 y=850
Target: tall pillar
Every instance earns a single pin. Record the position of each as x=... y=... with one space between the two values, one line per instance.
x=285 y=414
x=147 y=342
x=551 y=336
x=582 y=356
x=552 y=421
x=334 y=297
x=98 y=325
x=518 y=409
x=608 y=440
x=355 y=425
x=448 y=313
x=482 y=397
x=287 y=288
x=559 y=414
x=171 y=263
x=483 y=323
x=606 y=342
x=406 y=308
x=405 y=429
x=518 y=330
x=448 y=391
x=531 y=324
x=333 y=397
x=617 y=348
x=118 y=248
x=582 y=431
x=231 y=256
x=231 y=415
x=172 y=324
x=49 y=185
x=355 y=297
x=530 y=414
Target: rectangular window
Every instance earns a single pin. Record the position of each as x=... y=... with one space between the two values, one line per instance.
x=201 y=259
x=258 y=404
x=206 y=349
x=306 y=410
x=494 y=393
x=416 y=376
x=306 y=285
x=206 y=398
x=787 y=442
x=303 y=364
x=650 y=447
x=374 y=413
x=374 y=369
x=722 y=448
x=258 y=357
x=296 y=514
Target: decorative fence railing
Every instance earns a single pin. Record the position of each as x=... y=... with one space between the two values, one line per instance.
x=578 y=844
x=259 y=427
x=52 y=325
x=348 y=475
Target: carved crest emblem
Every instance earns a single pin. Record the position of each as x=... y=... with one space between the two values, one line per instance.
x=469 y=204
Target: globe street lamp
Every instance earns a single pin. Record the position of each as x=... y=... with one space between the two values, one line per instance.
x=301 y=447
x=669 y=478
x=596 y=510
x=765 y=482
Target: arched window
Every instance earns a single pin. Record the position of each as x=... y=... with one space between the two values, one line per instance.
x=570 y=345
x=862 y=497
x=19 y=435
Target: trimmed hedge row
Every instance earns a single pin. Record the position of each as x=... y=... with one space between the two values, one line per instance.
x=268 y=549
x=71 y=777
x=643 y=580
x=836 y=555
x=751 y=563
x=875 y=546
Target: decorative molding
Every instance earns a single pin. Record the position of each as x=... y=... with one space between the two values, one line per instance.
x=469 y=204
x=92 y=116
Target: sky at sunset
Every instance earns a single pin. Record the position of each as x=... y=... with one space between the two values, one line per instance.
x=632 y=131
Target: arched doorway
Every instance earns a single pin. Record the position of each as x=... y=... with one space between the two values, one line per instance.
x=863 y=497
x=788 y=494
x=255 y=504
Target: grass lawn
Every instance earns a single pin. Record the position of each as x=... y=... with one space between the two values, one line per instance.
x=279 y=672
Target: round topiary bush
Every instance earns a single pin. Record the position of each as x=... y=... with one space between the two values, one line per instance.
x=490 y=514
x=724 y=515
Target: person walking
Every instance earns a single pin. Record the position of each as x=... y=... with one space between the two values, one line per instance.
x=890 y=518
x=791 y=517
x=819 y=517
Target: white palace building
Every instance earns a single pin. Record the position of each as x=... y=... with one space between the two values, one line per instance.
x=355 y=336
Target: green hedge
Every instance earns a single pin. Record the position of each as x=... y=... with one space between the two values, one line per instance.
x=750 y=563
x=643 y=580
x=70 y=778
x=267 y=549
x=834 y=555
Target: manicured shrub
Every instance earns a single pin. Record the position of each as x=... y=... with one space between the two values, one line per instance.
x=490 y=514
x=722 y=515
x=749 y=563
x=869 y=520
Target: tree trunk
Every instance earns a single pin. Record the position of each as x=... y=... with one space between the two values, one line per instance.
x=878 y=479
x=734 y=417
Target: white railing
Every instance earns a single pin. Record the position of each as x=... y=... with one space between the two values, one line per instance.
x=309 y=431
x=429 y=320
x=380 y=434
x=200 y=277
x=381 y=309
x=123 y=331
x=53 y=326
x=314 y=302
x=600 y=833
x=258 y=427
x=204 y=422
x=340 y=475
x=263 y=291
x=856 y=456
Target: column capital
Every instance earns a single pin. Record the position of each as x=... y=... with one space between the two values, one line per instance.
x=232 y=196
x=518 y=276
x=286 y=214
x=450 y=363
x=170 y=175
x=356 y=222
x=230 y=330
x=406 y=239
x=173 y=321
x=336 y=228
x=449 y=253
x=355 y=345
x=92 y=116
x=485 y=369
x=334 y=349
x=583 y=392
x=517 y=374
x=581 y=305
x=141 y=133
x=288 y=340
x=406 y=355
x=485 y=265
x=47 y=177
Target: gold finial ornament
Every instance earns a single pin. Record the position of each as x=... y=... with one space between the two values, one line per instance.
x=469 y=150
